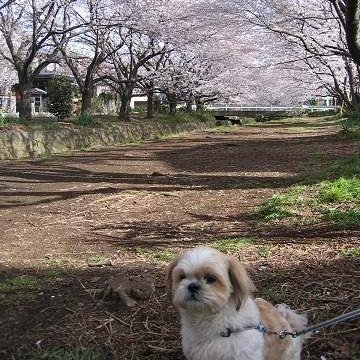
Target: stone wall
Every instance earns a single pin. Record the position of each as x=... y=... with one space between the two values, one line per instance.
x=18 y=143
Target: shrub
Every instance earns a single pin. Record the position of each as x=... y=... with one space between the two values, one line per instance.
x=3 y=120
x=60 y=93
x=203 y=116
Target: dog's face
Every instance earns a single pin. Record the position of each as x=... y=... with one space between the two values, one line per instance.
x=204 y=279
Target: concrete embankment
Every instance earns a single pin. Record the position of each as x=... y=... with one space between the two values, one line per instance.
x=20 y=143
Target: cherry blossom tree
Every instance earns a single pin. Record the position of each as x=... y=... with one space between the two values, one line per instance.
x=26 y=31
x=122 y=71
x=315 y=32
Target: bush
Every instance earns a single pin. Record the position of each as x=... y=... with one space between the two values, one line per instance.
x=84 y=120
x=203 y=116
x=60 y=93
x=3 y=120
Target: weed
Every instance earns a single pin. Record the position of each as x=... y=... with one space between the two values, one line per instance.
x=352 y=252
x=232 y=245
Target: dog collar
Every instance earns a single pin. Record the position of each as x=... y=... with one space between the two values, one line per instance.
x=228 y=332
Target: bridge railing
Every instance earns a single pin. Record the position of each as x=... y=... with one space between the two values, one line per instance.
x=243 y=108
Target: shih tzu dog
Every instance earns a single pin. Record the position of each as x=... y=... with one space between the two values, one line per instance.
x=219 y=318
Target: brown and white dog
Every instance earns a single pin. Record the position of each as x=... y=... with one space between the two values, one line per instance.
x=219 y=318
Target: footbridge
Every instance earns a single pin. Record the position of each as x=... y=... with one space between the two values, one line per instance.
x=225 y=110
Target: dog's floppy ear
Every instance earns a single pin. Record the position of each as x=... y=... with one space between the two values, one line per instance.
x=242 y=284
x=169 y=275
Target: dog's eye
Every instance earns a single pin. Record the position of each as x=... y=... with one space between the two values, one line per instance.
x=181 y=277
x=210 y=278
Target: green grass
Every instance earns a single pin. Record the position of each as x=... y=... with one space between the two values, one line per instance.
x=340 y=190
x=184 y=117
x=51 y=273
x=17 y=290
x=335 y=200
x=232 y=245
x=156 y=254
x=347 y=167
x=63 y=354
x=264 y=251
x=281 y=206
x=223 y=129
x=18 y=283
x=271 y=294
x=348 y=219
x=352 y=252
x=96 y=259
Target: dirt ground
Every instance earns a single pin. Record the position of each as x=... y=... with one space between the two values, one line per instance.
x=127 y=207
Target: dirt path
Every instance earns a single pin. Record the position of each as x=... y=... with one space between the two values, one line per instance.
x=134 y=204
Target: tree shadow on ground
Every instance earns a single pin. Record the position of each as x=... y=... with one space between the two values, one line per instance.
x=223 y=163
x=59 y=312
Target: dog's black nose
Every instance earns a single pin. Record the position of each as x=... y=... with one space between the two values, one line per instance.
x=193 y=287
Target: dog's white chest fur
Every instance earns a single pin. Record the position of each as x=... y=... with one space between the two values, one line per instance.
x=201 y=339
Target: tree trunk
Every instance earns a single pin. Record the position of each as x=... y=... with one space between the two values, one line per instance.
x=189 y=106
x=86 y=97
x=199 y=104
x=352 y=29
x=172 y=103
x=25 y=86
x=124 y=111
x=150 y=105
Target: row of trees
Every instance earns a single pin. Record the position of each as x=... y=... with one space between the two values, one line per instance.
x=317 y=40
x=281 y=51
x=124 y=44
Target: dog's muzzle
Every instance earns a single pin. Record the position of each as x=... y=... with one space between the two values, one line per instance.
x=193 y=291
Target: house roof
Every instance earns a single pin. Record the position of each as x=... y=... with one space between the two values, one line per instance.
x=37 y=91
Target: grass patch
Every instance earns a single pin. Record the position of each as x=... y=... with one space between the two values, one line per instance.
x=348 y=219
x=163 y=137
x=271 y=294
x=184 y=117
x=264 y=251
x=232 y=245
x=15 y=291
x=18 y=283
x=347 y=167
x=352 y=252
x=340 y=190
x=281 y=206
x=63 y=354
x=336 y=200
x=159 y=255
x=96 y=260
x=225 y=129
x=51 y=273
